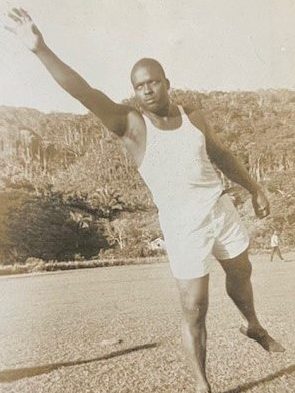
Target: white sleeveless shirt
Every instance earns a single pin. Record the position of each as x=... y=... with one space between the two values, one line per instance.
x=178 y=172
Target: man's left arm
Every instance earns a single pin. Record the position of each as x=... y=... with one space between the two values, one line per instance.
x=229 y=164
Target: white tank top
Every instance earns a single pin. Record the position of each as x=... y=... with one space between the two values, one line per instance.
x=178 y=172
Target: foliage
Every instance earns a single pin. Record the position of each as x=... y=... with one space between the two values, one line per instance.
x=35 y=265
x=45 y=227
x=69 y=189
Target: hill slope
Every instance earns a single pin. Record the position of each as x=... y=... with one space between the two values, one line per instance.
x=73 y=167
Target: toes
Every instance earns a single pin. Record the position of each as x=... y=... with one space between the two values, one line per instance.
x=276 y=347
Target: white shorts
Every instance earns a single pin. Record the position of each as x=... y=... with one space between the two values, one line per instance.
x=190 y=246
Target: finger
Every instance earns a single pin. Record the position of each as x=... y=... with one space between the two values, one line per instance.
x=266 y=211
x=10 y=29
x=17 y=12
x=25 y=14
x=263 y=213
x=263 y=207
x=259 y=211
x=15 y=18
x=5 y=21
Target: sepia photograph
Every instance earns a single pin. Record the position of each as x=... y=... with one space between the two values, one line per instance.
x=147 y=196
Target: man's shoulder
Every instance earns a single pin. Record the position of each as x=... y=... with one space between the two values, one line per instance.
x=135 y=124
x=196 y=115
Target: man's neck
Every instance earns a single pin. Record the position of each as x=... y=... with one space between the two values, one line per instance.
x=164 y=113
x=170 y=121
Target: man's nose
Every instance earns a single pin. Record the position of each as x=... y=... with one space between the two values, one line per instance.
x=147 y=88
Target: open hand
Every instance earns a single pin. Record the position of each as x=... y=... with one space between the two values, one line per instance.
x=260 y=204
x=25 y=29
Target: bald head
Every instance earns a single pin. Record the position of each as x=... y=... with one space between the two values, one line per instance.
x=150 y=85
x=147 y=63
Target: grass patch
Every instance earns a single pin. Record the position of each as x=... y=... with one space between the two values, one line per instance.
x=34 y=265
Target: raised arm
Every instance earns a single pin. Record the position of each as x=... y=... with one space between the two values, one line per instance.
x=230 y=165
x=112 y=115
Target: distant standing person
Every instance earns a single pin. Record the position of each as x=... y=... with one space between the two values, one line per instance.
x=275 y=246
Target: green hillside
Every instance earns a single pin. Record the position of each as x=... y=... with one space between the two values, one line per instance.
x=68 y=189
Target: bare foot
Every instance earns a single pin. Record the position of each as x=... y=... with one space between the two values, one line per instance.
x=263 y=338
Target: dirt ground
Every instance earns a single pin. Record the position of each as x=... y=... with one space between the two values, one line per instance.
x=116 y=330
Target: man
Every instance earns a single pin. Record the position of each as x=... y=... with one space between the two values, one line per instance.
x=275 y=246
x=171 y=147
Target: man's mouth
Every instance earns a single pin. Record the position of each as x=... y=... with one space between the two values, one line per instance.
x=150 y=100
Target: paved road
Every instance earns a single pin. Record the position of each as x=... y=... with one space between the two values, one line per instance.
x=55 y=329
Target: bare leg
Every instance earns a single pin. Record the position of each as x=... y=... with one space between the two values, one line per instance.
x=279 y=253
x=194 y=302
x=239 y=288
x=272 y=253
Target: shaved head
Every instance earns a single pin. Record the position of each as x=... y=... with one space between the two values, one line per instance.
x=147 y=63
x=150 y=85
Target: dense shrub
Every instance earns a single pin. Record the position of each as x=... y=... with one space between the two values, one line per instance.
x=70 y=190
x=45 y=227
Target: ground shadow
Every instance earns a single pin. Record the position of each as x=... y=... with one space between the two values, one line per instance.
x=12 y=375
x=243 y=388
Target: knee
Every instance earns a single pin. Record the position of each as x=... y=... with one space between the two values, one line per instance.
x=194 y=301
x=194 y=312
x=239 y=273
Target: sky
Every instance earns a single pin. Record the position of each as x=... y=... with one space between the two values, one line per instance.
x=203 y=45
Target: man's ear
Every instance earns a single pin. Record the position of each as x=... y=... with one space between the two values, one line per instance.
x=168 y=83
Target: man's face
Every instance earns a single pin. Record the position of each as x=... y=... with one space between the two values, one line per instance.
x=151 y=88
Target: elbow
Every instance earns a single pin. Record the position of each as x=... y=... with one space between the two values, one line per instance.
x=79 y=93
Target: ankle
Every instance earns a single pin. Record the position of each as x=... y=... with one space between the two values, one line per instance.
x=256 y=330
x=253 y=325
